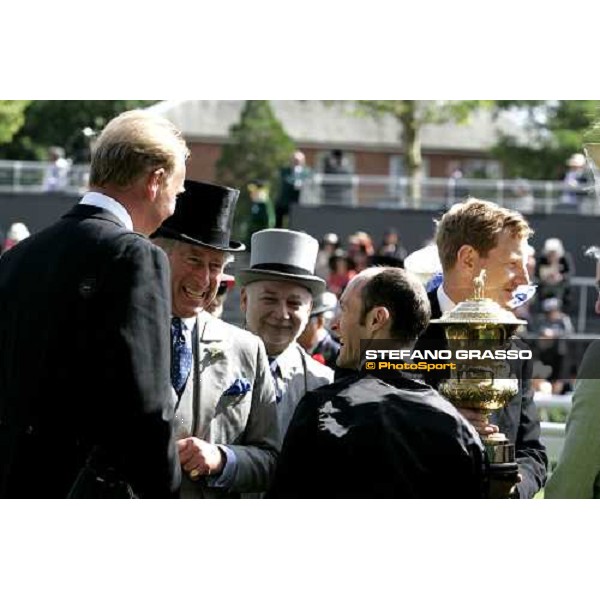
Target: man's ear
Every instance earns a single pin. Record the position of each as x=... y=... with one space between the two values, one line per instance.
x=378 y=318
x=154 y=182
x=466 y=257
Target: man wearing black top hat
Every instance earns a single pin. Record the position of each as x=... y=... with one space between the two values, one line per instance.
x=226 y=419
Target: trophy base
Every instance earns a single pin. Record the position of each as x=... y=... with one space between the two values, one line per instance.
x=498 y=448
x=502 y=467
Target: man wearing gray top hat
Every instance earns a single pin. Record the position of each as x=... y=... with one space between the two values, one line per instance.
x=226 y=418
x=277 y=297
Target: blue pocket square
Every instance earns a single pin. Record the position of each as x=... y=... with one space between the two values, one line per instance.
x=239 y=386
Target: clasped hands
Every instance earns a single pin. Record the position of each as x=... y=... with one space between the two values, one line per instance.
x=199 y=458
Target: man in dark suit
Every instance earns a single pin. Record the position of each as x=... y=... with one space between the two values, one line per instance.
x=84 y=333
x=292 y=178
x=472 y=236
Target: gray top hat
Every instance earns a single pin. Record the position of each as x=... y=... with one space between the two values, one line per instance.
x=283 y=255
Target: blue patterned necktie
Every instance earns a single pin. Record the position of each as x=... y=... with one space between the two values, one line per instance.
x=181 y=357
x=276 y=380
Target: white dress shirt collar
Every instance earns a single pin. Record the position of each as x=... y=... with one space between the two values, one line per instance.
x=445 y=303
x=290 y=360
x=190 y=322
x=109 y=204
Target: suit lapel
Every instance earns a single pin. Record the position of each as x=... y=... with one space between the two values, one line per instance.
x=212 y=365
x=434 y=331
x=433 y=338
x=436 y=311
x=285 y=364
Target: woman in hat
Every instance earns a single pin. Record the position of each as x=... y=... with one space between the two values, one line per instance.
x=575 y=182
x=554 y=271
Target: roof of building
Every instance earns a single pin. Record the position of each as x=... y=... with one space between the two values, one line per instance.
x=316 y=123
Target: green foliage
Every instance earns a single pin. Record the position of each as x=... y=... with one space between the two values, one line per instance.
x=592 y=135
x=426 y=111
x=556 y=130
x=11 y=118
x=61 y=123
x=412 y=115
x=257 y=148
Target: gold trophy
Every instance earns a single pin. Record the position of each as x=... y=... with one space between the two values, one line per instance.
x=483 y=384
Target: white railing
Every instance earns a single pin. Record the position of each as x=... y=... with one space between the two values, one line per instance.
x=395 y=192
x=546 y=401
x=20 y=176
x=583 y=283
x=356 y=190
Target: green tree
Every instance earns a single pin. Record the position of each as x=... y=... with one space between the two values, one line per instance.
x=257 y=148
x=555 y=131
x=412 y=116
x=61 y=123
x=11 y=118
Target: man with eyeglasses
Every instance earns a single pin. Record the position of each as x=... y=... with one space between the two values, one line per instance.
x=577 y=474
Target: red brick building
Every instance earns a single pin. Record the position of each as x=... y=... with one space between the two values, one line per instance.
x=372 y=145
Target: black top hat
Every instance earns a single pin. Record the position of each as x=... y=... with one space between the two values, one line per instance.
x=203 y=216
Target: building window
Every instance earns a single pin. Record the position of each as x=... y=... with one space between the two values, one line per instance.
x=481 y=168
x=398 y=168
x=321 y=158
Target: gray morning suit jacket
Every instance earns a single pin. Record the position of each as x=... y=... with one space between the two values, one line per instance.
x=246 y=422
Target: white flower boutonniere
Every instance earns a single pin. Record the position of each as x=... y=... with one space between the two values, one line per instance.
x=216 y=353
